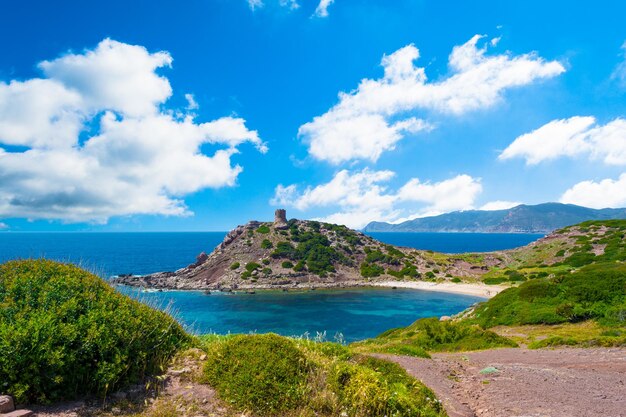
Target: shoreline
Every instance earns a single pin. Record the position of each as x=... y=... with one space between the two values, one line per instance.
x=478 y=290
x=464 y=288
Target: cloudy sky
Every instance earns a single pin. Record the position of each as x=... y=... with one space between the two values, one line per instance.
x=159 y=115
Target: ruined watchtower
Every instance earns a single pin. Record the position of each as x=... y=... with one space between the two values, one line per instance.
x=280 y=219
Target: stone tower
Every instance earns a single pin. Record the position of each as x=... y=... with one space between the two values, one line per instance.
x=280 y=219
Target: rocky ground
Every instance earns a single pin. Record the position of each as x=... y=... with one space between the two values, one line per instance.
x=562 y=382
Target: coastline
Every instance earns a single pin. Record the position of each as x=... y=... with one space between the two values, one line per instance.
x=474 y=289
x=479 y=290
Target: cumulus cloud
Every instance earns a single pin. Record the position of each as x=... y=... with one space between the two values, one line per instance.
x=374 y=117
x=602 y=194
x=576 y=136
x=363 y=196
x=499 y=205
x=322 y=8
x=95 y=140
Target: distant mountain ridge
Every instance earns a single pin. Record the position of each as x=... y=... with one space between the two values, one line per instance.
x=540 y=218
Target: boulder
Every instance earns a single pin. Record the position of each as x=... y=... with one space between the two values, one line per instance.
x=6 y=404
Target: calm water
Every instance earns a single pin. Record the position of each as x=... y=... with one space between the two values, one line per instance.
x=458 y=242
x=356 y=314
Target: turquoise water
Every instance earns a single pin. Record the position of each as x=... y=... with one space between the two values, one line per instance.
x=354 y=313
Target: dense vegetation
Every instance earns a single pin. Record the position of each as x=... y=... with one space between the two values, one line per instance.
x=64 y=333
x=432 y=335
x=274 y=375
x=597 y=291
x=265 y=373
x=313 y=249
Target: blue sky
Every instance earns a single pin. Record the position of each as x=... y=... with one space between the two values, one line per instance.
x=157 y=115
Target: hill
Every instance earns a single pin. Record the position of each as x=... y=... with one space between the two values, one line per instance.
x=540 y=218
x=306 y=254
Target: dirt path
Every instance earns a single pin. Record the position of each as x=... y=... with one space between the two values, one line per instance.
x=564 y=382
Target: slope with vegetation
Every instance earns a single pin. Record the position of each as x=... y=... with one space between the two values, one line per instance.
x=572 y=291
x=66 y=334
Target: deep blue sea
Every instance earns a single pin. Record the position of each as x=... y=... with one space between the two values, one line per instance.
x=355 y=313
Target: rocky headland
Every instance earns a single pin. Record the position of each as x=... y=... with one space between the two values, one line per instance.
x=291 y=254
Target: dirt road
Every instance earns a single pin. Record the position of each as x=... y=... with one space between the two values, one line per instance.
x=563 y=382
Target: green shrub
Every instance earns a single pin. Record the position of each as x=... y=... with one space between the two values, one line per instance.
x=266 y=374
x=299 y=266
x=264 y=229
x=251 y=266
x=266 y=244
x=374 y=387
x=433 y=335
x=371 y=270
x=235 y=265
x=456 y=280
x=65 y=333
x=287 y=264
x=596 y=291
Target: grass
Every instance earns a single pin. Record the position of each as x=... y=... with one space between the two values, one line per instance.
x=587 y=333
x=432 y=335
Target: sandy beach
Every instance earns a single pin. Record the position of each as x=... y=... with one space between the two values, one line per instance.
x=480 y=290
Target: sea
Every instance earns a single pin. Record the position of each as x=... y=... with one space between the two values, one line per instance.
x=345 y=315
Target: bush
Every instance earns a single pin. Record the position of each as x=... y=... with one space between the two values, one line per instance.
x=594 y=292
x=65 y=333
x=374 y=387
x=432 y=335
x=371 y=270
x=264 y=229
x=266 y=244
x=287 y=264
x=235 y=265
x=251 y=266
x=263 y=373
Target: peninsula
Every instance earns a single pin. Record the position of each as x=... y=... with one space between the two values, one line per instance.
x=302 y=254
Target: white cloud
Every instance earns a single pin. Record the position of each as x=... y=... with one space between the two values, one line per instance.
x=499 y=205
x=363 y=196
x=381 y=111
x=192 y=104
x=619 y=73
x=572 y=137
x=255 y=4
x=603 y=194
x=98 y=142
x=290 y=4
x=322 y=8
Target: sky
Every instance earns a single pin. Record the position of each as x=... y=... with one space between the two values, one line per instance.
x=201 y=115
